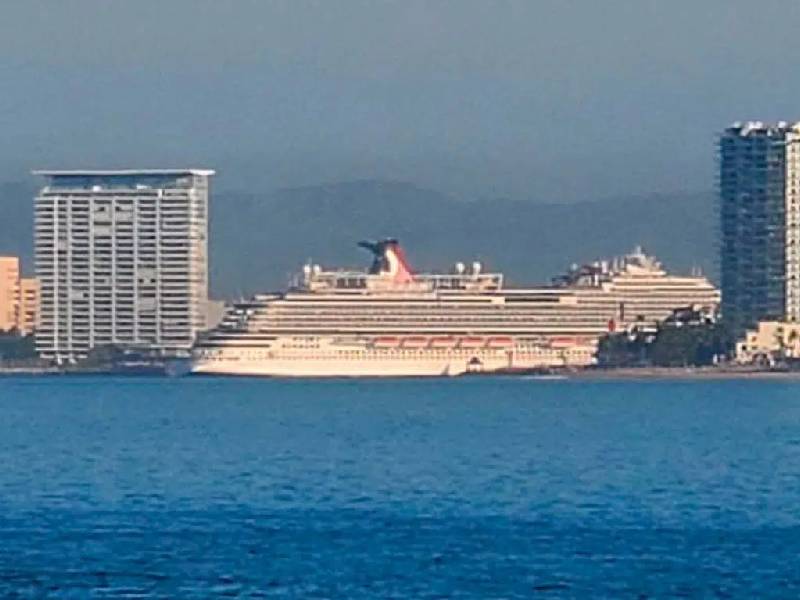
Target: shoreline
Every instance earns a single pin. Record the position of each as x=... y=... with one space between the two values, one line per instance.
x=686 y=373
x=585 y=374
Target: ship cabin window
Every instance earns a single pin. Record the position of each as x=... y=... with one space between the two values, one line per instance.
x=350 y=283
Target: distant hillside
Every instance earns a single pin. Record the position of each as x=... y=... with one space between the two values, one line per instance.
x=16 y=222
x=258 y=242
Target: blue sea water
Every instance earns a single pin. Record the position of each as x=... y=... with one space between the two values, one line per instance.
x=463 y=488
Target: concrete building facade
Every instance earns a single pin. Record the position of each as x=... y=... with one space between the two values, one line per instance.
x=28 y=306
x=769 y=342
x=122 y=258
x=19 y=298
x=9 y=292
x=759 y=191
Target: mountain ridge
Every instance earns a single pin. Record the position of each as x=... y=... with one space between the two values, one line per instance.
x=257 y=242
x=531 y=242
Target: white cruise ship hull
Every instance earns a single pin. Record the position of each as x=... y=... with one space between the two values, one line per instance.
x=334 y=368
x=389 y=364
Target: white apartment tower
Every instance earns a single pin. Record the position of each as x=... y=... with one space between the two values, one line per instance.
x=122 y=257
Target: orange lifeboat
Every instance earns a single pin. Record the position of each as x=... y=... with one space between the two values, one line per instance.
x=563 y=342
x=443 y=342
x=385 y=342
x=500 y=342
x=416 y=341
x=472 y=342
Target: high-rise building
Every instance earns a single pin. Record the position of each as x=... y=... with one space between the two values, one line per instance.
x=9 y=292
x=759 y=188
x=122 y=259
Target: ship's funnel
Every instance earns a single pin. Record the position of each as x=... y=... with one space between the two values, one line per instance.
x=389 y=259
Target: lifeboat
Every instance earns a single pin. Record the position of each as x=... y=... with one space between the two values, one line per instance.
x=415 y=341
x=500 y=342
x=472 y=342
x=443 y=342
x=563 y=342
x=385 y=342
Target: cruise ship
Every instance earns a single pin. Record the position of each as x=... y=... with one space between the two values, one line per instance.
x=389 y=321
x=645 y=293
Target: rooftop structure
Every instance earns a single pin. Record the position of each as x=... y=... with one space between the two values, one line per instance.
x=390 y=272
x=121 y=172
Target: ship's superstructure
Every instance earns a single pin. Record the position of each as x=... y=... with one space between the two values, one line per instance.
x=389 y=321
x=644 y=291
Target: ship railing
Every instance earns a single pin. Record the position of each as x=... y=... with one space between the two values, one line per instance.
x=419 y=283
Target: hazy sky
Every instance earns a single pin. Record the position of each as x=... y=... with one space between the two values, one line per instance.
x=542 y=100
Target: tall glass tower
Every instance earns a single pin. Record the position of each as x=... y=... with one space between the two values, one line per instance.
x=759 y=188
x=122 y=257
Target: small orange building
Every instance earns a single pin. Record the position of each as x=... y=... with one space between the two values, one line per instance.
x=19 y=298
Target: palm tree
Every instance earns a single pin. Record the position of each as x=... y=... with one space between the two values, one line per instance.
x=792 y=339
